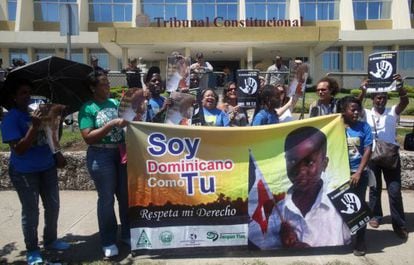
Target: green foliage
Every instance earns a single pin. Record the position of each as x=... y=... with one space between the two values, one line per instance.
x=116 y=92
x=355 y=92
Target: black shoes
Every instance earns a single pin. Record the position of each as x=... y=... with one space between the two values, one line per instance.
x=401 y=233
x=360 y=249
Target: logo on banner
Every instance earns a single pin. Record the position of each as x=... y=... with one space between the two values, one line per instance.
x=212 y=235
x=143 y=241
x=351 y=202
x=166 y=237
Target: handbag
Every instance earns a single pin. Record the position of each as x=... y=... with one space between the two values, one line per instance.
x=409 y=141
x=385 y=154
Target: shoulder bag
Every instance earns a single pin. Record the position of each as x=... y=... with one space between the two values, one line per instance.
x=384 y=154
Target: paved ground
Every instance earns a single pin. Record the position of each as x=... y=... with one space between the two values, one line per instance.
x=78 y=225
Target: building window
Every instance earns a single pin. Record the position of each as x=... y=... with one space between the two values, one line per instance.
x=406 y=58
x=312 y=10
x=411 y=8
x=165 y=9
x=11 y=9
x=330 y=60
x=266 y=9
x=18 y=54
x=48 y=10
x=110 y=10
x=43 y=53
x=354 y=59
x=225 y=9
x=103 y=57
x=381 y=49
x=77 y=55
x=371 y=9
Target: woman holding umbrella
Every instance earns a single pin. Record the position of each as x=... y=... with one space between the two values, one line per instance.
x=102 y=131
x=32 y=171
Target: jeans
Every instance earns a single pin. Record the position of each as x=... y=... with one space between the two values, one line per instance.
x=110 y=179
x=392 y=178
x=29 y=186
x=361 y=190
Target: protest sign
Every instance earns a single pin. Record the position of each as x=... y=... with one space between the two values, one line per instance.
x=382 y=66
x=231 y=187
x=181 y=109
x=248 y=87
x=178 y=73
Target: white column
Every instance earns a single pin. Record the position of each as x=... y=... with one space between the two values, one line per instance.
x=187 y=51
x=343 y=58
x=6 y=57
x=400 y=15
x=242 y=63
x=85 y=53
x=24 y=15
x=189 y=10
x=242 y=10
x=60 y=52
x=346 y=15
x=3 y=11
x=113 y=62
x=312 y=62
x=83 y=10
x=124 y=57
x=136 y=10
x=250 y=58
x=294 y=9
x=31 y=54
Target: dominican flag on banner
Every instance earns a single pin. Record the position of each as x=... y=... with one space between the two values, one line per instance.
x=261 y=201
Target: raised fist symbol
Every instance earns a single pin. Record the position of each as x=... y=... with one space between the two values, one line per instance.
x=384 y=70
x=352 y=203
x=250 y=86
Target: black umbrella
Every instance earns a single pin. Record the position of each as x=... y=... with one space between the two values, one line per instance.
x=61 y=81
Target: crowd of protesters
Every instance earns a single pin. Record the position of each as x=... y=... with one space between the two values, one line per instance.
x=32 y=166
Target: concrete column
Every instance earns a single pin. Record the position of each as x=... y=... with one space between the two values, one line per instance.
x=242 y=10
x=6 y=57
x=189 y=10
x=85 y=52
x=294 y=9
x=60 y=52
x=136 y=10
x=343 y=59
x=113 y=62
x=242 y=63
x=250 y=58
x=312 y=62
x=367 y=51
x=3 y=11
x=24 y=15
x=346 y=15
x=83 y=9
x=31 y=54
x=400 y=15
x=124 y=57
x=187 y=51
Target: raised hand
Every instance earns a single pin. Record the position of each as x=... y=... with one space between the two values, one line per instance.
x=350 y=201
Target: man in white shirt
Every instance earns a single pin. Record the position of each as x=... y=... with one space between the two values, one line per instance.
x=306 y=216
x=203 y=69
x=384 y=120
x=272 y=75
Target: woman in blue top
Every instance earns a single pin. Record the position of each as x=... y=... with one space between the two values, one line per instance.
x=359 y=139
x=269 y=100
x=212 y=115
x=32 y=171
x=102 y=131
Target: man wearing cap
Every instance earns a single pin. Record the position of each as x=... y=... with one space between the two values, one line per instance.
x=272 y=75
x=202 y=68
x=95 y=66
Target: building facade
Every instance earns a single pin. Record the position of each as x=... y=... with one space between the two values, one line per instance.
x=332 y=35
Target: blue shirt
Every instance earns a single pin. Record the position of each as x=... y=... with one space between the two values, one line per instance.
x=358 y=137
x=264 y=117
x=38 y=157
x=154 y=106
x=216 y=117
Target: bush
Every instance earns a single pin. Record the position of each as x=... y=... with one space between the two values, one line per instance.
x=116 y=92
x=408 y=111
x=345 y=91
x=355 y=92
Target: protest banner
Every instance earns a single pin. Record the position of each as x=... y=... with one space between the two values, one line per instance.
x=230 y=187
x=248 y=87
x=382 y=66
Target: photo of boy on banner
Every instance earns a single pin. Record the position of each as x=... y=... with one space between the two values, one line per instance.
x=382 y=66
x=305 y=217
x=181 y=109
x=178 y=73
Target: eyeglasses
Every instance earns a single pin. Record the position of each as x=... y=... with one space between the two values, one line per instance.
x=231 y=89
